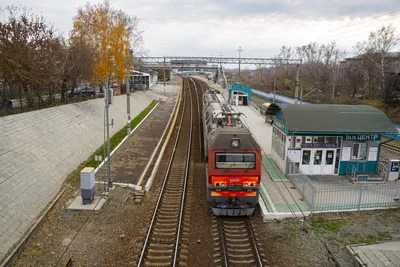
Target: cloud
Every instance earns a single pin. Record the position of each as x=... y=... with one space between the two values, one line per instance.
x=261 y=27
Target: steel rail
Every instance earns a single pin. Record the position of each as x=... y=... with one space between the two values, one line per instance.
x=223 y=243
x=198 y=112
x=391 y=147
x=185 y=180
x=260 y=264
x=164 y=183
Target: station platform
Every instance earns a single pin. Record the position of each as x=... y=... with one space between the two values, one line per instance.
x=278 y=197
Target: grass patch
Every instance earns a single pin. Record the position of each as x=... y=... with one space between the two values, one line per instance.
x=326 y=226
x=369 y=239
x=74 y=176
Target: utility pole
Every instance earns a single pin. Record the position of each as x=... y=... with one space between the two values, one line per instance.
x=164 y=73
x=297 y=85
x=274 y=86
x=110 y=183
x=240 y=50
x=128 y=90
x=335 y=78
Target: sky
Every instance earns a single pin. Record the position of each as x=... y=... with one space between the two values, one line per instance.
x=215 y=27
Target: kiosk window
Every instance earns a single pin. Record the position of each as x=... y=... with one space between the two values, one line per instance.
x=329 y=157
x=331 y=140
x=359 y=151
x=317 y=157
x=306 y=157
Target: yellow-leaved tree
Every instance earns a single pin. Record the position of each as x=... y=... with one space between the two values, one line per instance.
x=112 y=33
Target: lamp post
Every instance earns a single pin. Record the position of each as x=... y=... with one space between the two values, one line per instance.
x=128 y=91
x=110 y=182
x=240 y=50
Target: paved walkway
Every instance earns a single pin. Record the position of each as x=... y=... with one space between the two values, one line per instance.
x=127 y=164
x=377 y=255
x=40 y=148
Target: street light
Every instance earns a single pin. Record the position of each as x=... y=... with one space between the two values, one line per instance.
x=128 y=90
x=107 y=96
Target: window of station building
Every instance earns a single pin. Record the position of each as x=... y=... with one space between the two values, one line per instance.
x=318 y=157
x=359 y=151
x=329 y=157
x=331 y=139
x=306 y=157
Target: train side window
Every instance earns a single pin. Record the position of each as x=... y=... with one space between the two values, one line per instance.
x=306 y=157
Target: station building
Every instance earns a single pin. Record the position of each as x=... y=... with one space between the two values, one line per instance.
x=329 y=139
x=240 y=94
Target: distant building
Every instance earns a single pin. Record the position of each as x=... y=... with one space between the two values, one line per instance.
x=142 y=80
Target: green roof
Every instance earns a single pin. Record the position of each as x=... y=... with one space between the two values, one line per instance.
x=336 y=118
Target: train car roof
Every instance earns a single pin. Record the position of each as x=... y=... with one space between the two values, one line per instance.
x=222 y=138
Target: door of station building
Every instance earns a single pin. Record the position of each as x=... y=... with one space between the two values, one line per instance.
x=318 y=161
x=244 y=100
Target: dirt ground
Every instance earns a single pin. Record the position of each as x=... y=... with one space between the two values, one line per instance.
x=285 y=243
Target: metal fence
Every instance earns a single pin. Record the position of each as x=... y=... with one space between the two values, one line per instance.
x=342 y=196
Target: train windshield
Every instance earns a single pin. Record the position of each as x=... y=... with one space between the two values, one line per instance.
x=235 y=160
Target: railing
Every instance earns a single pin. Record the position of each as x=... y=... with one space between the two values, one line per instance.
x=342 y=196
x=257 y=108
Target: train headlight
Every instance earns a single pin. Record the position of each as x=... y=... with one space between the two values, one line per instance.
x=235 y=143
x=246 y=184
x=222 y=184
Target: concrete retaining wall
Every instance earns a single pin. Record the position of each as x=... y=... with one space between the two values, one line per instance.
x=39 y=149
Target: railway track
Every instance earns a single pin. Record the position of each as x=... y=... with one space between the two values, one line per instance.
x=391 y=148
x=235 y=242
x=163 y=241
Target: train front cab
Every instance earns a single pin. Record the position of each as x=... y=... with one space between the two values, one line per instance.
x=233 y=181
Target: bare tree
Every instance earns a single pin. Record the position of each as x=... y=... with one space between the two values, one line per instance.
x=377 y=48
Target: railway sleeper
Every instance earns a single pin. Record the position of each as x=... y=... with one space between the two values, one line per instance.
x=169 y=210
x=236 y=240
x=172 y=199
x=161 y=221
x=164 y=234
x=169 y=216
x=163 y=240
x=165 y=230
x=241 y=255
x=238 y=245
x=163 y=258
x=241 y=250
x=161 y=246
x=164 y=212
x=169 y=206
x=235 y=235
x=242 y=262
x=165 y=225
x=157 y=264
x=156 y=251
x=233 y=227
x=236 y=230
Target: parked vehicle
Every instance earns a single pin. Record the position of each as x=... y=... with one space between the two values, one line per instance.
x=84 y=91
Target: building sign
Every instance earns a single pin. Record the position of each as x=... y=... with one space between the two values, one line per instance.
x=362 y=137
x=318 y=145
x=280 y=125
